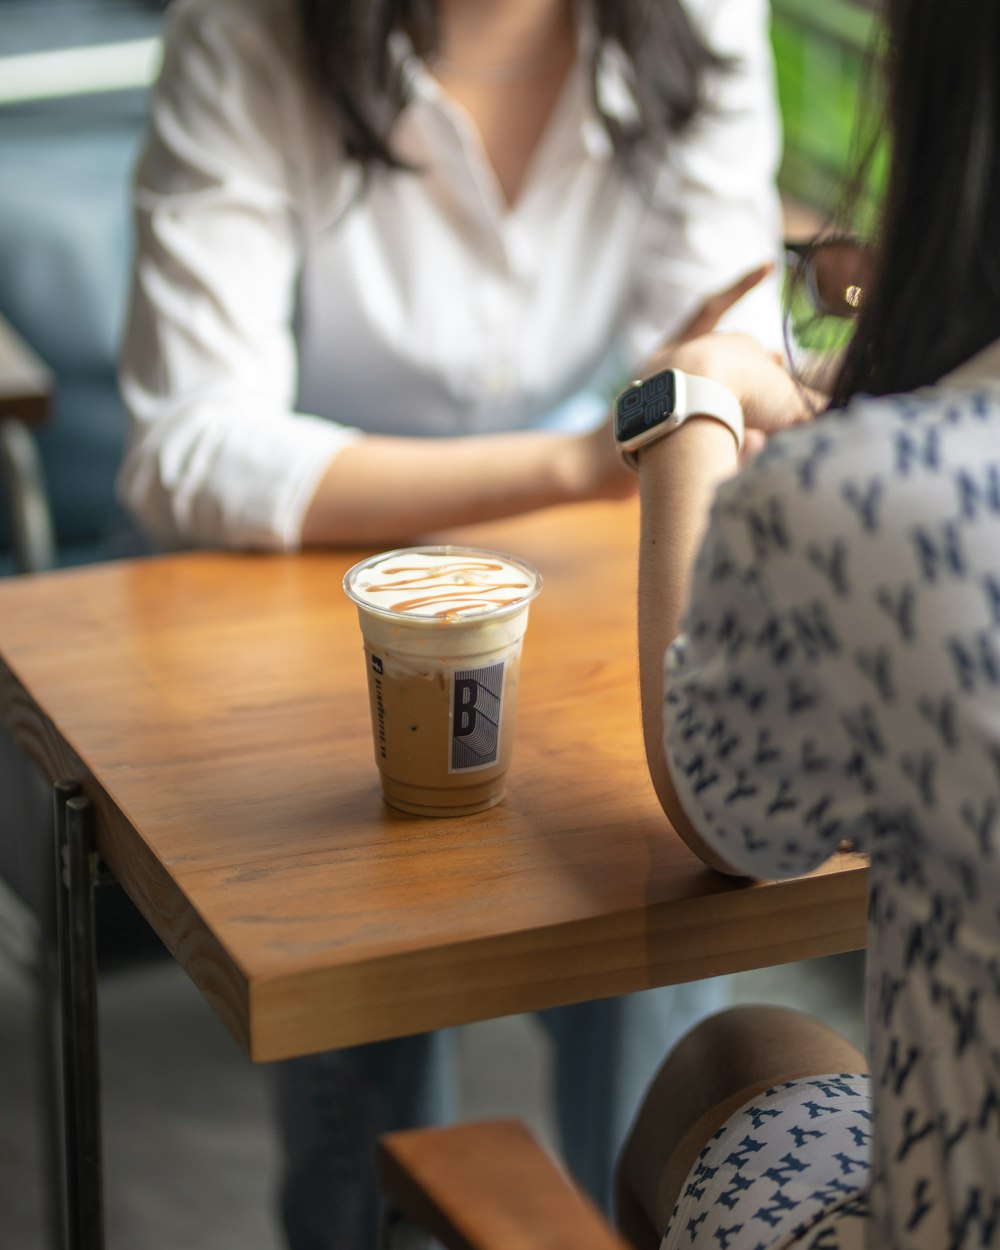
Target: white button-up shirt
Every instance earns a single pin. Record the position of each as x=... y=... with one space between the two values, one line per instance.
x=281 y=304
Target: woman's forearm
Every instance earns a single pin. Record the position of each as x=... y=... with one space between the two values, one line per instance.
x=384 y=489
x=678 y=476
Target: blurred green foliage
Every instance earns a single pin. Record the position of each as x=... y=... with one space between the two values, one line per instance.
x=826 y=60
x=821 y=52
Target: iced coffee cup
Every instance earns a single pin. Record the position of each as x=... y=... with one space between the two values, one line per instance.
x=442 y=630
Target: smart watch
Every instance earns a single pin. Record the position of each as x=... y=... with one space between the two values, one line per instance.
x=651 y=408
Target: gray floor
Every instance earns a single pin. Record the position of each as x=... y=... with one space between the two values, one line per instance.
x=189 y=1153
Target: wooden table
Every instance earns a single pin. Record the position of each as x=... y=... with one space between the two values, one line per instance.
x=214 y=709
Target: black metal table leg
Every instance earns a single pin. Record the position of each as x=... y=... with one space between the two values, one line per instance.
x=77 y=875
x=396 y=1232
x=49 y=1028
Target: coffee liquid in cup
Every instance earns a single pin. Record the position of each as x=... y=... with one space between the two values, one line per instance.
x=442 y=630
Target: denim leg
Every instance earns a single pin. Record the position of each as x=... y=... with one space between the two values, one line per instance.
x=606 y=1053
x=331 y=1109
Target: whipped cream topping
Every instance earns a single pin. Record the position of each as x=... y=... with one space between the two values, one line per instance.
x=445 y=585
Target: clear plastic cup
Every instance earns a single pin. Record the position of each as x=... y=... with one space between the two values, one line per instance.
x=442 y=630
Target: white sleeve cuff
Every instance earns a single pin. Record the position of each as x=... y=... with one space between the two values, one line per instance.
x=218 y=478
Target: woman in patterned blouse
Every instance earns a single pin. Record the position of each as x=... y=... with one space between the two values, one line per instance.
x=836 y=674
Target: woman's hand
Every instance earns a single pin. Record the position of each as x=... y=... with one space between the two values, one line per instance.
x=771 y=398
x=593 y=468
x=709 y=314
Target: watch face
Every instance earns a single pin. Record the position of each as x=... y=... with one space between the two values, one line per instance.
x=645 y=405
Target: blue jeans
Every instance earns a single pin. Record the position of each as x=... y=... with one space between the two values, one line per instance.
x=333 y=1106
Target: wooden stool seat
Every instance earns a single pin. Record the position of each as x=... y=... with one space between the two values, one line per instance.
x=488 y=1186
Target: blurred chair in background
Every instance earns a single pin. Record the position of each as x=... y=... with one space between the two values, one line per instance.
x=73 y=77
x=72 y=106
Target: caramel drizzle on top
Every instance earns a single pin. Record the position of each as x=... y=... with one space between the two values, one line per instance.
x=453 y=599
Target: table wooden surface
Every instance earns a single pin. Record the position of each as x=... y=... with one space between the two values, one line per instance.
x=214 y=708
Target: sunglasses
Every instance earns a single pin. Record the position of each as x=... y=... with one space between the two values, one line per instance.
x=834 y=271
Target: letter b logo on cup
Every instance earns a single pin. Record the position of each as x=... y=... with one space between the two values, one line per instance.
x=476 y=703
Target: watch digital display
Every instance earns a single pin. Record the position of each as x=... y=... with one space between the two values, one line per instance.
x=645 y=405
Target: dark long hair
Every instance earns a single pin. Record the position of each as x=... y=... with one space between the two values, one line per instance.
x=934 y=295
x=346 y=48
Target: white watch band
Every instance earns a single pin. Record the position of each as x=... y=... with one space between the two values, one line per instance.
x=706 y=398
x=694 y=396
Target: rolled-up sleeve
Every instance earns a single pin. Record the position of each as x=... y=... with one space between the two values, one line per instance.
x=217 y=454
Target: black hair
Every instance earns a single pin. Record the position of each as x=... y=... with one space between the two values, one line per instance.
x=933 y=299
x=346 y=45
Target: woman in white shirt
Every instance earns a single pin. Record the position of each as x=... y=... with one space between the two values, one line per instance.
x=837 y=675
x=301 y=322
x=393 y=260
